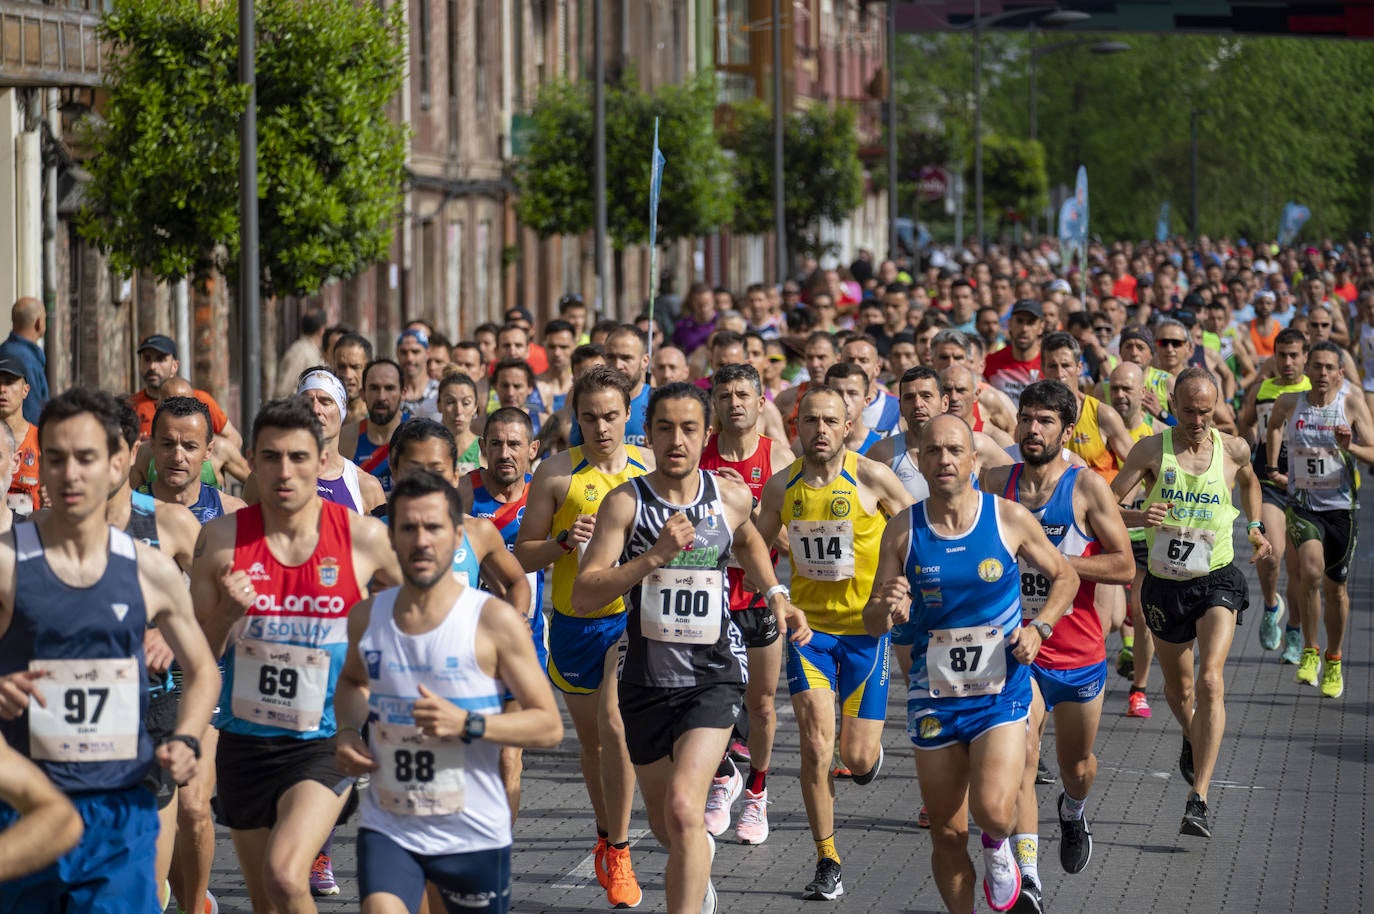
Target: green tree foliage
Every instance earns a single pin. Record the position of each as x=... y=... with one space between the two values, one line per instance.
x=1013 y=175
x=822 y=176
x=331 y=161
x=555 y=178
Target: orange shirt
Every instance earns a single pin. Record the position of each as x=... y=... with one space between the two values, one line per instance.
x=1124 y=288
x=146 y=406
x=23 y=495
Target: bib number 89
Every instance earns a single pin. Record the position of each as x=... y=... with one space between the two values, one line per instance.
x=414 y=766
x=965 y=660
x=1034 y=584
x=281 y=682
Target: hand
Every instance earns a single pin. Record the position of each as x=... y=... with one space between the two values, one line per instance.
x=238 y=588
x=178 y=759
x=1343 y=436
x=157 y=656
x=581 y=530
x=15 y=691
x=438 y=717
x=1260 y=543
x=1025 y=642
x=351 y=754
x=677 y=536
x=1150 y=400
x=1156 y=512
x=792 y=622
x=729 y=473
x=895 y=596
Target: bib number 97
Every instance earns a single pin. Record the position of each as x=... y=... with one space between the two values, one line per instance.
x=83 y=702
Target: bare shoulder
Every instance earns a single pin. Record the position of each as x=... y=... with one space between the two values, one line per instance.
x=1236 y=448
x=157 y=568
x=735 y=494
x=873 y=473
x=884 y=450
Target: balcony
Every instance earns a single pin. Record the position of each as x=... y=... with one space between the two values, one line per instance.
x=51 y=44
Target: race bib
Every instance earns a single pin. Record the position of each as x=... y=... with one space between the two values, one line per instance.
x=1035 y=589
x=280 y=685
x=92 y=713
x=966 y=662
x=1181 y=553
x=682 y=606
x=1316 y=467
x=822 y=550
x=418 y=775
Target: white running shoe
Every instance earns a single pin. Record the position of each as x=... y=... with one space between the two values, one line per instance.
x=752 y=827
x=724 y=792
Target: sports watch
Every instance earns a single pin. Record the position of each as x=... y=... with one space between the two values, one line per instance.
x=1044 y=628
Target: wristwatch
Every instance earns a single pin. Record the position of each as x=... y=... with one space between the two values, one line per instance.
x=191 y=743
x=1044 y=628
x=1257 y=525
x=563 y=541
x=474 y=727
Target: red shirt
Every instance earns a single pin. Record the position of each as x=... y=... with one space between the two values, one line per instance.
x=756 y=468
x=23 y=495
x=146 y=407
x=1124 y=288
x=1010 y=376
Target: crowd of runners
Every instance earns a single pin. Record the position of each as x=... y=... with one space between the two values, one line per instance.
x=1001 y=474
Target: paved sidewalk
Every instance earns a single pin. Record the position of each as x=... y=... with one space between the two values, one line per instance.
x=1289 y=811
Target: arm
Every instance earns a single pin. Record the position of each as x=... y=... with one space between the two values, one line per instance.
x=138 y=466
x=49 y=824
x=498 y=565
x=989 y=453
x=1249 y=412
x=350 y=699
x=169 y=606
x=893 y=497
x=599 y=579
x=379 y=567
x=465 y=495
x=890 y=601
x=536 y=546
x=371 y=490
x=1138 y=470
x=1359 y=440
x=231 y=436
x=1031 y=545
x=770 y=421
x=219 y=594
x=769 y=522
x=178 y=530
x=230 y=460
x=1251 y=500
x=751 y=551
x=1114 y=563
x=1273 y=437
x=1114 y=431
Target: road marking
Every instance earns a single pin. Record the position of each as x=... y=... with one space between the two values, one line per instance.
x=585 y=872
x=1166 y=775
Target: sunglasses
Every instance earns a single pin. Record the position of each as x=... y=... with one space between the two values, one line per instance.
x=777 y=358
x=1102 y=329
x=1171 y=343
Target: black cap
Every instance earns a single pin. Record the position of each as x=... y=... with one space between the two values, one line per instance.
x=1029 y=306
x=1193 y=302
x=520 y=312
x=1137 y=333
x=159 y=343
x=11 y=365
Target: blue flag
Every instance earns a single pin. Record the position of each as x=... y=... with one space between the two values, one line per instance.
x=1162 y=225
x=1294 y=217
x=655 y=186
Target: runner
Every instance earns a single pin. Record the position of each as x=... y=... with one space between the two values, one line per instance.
x=157 y=364
x=1289 y=362
x=22 y=493
x=1099 y=436
x=881 y=412
x=663 y=538
x=45 y=824
x=953 y=347
x=1011 y=369
x=180 y=442
x=560 y=514
x=959 y=384
x=1081 y=519
x=349 y=360
x=820 y=352
x=83 y=665
x=559 y=341
x=419 y=392
x=851 y=383
x=435 y=810
x=366 y=441
x=9 y=462
x=1319 y=425
x=272 y=584
x=738 y=452
x=835 y=504
x=625 y=353
x=1192 y=591
x=950 y=566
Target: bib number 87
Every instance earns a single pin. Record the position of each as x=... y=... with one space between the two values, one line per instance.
x=1179 y=550
x=281 y=682
x=965 y=659
x=414 y=766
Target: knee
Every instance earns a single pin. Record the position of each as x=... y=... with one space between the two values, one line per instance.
x=682 y=816
x=1211 y=685
x=949 y=838
x=284 y=878
x=815 y=746
x=761 y=711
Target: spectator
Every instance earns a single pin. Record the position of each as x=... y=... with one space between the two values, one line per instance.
x=30 y=322
x=306 y=352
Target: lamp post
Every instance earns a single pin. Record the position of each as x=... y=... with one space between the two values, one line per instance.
x=779 y=198
x=891 y=105
x=250 y=290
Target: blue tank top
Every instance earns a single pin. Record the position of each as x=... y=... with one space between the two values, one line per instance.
x=54 y=621
x=465 y=563
x=966 y=581
x=375 y=458
x=873 y=438
x=634 y=427
x=507 y=515
x=142 y=526
x=208 y=505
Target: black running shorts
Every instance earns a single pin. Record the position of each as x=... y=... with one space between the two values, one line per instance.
x=757 y=625
x=254 y=772
x=1172 y=608
x=1335 y=530
x=655 y=717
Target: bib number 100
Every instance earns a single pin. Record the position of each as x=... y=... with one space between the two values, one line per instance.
x=684 y=603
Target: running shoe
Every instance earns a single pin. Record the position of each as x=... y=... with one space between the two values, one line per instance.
x=708 y=904
x=1138 y=706
x=1075 y=842
x=211 y=905
x=752 y=827
x=724 y=792
x=1031 y=900
x=1310 y=667
x=1185 y=761
x=1292 y=647
x=739 y=752
x=1333 y=684
x=1002 y=879
x=1195 y=818
x=1125 y=663
x=599 y=861
x=622 y=888
x=1043 y=775
x=826 y=885
x=322 y=877
x=1270 y=635
x=923 y=817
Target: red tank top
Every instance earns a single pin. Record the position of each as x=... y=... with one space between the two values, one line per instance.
x=977 y=417
x=324 y=587
x=796 y=406
x=756 y=468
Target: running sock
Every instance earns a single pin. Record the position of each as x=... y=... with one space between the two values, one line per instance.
x=1072 y=809
x=1136 y=688
x=603 y=835
x=1127 y=641
x=758 y=780
x=1272 y=609
x=991 y=844
x=1333 y=657
x=825 y=847
x=726 y=768
x=622 y=846
x=868 y=776
x=1292 y=628
x=1026 y=847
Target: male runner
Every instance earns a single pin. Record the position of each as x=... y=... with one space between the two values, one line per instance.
x=272 y=584
x=1319 y=426
x=426 y=668
x=737 y=451
x=1289 y=361
x=881 y=412
x=850 y=381
x=419 y=392
x=157 y=364
x=349 y=360
x=559 y=342
x=625 y=353
x=951 y=347
x=1011 y=369
x=959 y=384
x=76 y=600
x=664 y=540
x=366 y=442
x=1099 y=435
x=950 y=566
x=46 y=824
x=179 y=444
x=9 y=463
x=565 y=495
x=820 y=352
x=22 y=493
x=835 y=504
x=1192 y=591
x=1081 y=519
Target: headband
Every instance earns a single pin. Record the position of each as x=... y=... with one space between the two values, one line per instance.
x=324 y=380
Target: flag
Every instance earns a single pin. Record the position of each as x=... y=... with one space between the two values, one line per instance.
x=1294 y=217
x=656 y=164
x=1162 y=225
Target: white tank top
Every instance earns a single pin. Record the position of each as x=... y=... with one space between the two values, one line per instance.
x=1367 y=356
x=912 y=480
x=428 y=796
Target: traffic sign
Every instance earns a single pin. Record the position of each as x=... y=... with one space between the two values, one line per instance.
x=932 y=183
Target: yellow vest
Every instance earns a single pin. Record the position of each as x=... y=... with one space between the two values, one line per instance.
x=586 y=490
x=1087 y=441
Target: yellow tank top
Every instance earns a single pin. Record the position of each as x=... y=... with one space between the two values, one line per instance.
x=1195 y=538
x=586 y=490
x=834 y=548
x=1087 y=441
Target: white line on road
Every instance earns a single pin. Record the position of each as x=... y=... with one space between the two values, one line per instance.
x=585 y=872
x=1165 y=775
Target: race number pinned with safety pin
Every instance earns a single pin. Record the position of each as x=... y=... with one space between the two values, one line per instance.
x=965 y=662
x=418 y=775
x=682 y=605
x=92 y=712
x=822 y=550
x=280 y=685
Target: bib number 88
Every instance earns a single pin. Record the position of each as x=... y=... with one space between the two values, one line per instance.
x=414 y=766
